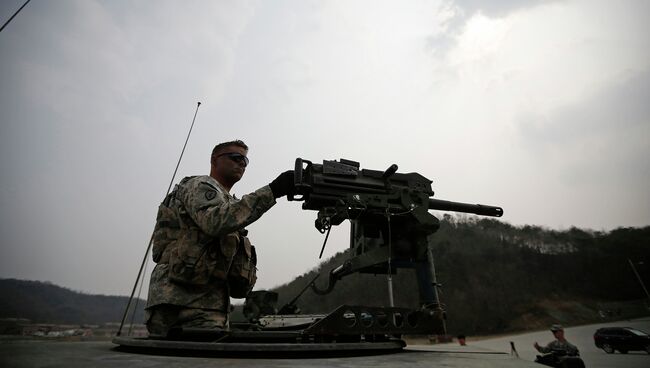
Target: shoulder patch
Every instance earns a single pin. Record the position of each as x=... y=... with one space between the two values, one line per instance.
x=210 y=194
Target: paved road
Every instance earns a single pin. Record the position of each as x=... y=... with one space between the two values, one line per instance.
x=478 y=354
x=583 y=338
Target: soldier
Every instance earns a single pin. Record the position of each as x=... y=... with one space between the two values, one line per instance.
x=461 y=340
x=202 y=254
x=560 y=343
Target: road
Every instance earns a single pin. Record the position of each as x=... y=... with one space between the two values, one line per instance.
x=582 y=337
x=488 y=353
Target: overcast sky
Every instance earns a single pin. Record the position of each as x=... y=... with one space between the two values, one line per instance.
x=541 y=107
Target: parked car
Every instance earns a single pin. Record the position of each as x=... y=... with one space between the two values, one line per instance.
x=623 y=339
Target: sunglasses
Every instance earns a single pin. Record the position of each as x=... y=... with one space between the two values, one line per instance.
x=237 y=157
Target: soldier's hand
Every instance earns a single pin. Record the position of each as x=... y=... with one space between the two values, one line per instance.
x=283 y=184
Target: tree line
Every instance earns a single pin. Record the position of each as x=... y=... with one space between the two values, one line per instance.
x=495 y=277
x=43 y=302
x=498 y=277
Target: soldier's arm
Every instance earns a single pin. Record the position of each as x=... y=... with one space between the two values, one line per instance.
x=545 y=349
x=573 y=348
x=215 y=215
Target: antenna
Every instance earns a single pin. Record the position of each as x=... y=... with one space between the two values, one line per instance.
x=13 y=16
x=146 y=254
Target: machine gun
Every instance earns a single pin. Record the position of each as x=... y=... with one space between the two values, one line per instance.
x=389 y=216
x=390 y=229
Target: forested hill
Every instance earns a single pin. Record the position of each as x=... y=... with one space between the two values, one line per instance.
x=47 y=303
x=497 y=277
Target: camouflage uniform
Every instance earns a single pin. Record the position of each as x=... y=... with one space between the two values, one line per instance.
x=197 y=223
x=559 y=345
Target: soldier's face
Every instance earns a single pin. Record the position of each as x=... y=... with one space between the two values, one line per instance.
x=229 y=167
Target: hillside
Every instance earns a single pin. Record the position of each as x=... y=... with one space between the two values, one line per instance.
x=47 y=303
x=497 y=277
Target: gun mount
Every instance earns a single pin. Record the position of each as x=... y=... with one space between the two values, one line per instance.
x=389 y=216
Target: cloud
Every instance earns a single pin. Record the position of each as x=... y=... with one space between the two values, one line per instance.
x=504 y=103
x=507 y=86
x=94 y=90
x=496 y=8
x=599 y=145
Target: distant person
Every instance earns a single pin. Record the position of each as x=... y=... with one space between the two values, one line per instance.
x=202 y=254
x=461 y=340
x=560 y=343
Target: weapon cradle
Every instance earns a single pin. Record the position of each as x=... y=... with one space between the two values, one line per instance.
x=350 y=329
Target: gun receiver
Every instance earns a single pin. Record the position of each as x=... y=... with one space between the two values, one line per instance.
x=334 y=184
x=388 y=212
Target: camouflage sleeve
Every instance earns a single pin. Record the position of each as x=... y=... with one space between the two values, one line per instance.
x=557 y=345
x=545 y=349
x=572 y=349
x=217 y=214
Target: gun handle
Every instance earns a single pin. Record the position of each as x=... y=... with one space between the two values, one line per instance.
x=297 y=172
x=298 y=179
x=389 y=172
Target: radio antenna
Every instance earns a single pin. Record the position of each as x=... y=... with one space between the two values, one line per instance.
x=13 y=16
x=146 y=254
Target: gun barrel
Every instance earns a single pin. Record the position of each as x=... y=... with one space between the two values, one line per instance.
x=478 y=209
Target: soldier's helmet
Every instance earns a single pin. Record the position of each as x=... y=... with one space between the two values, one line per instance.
x=556 y=328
